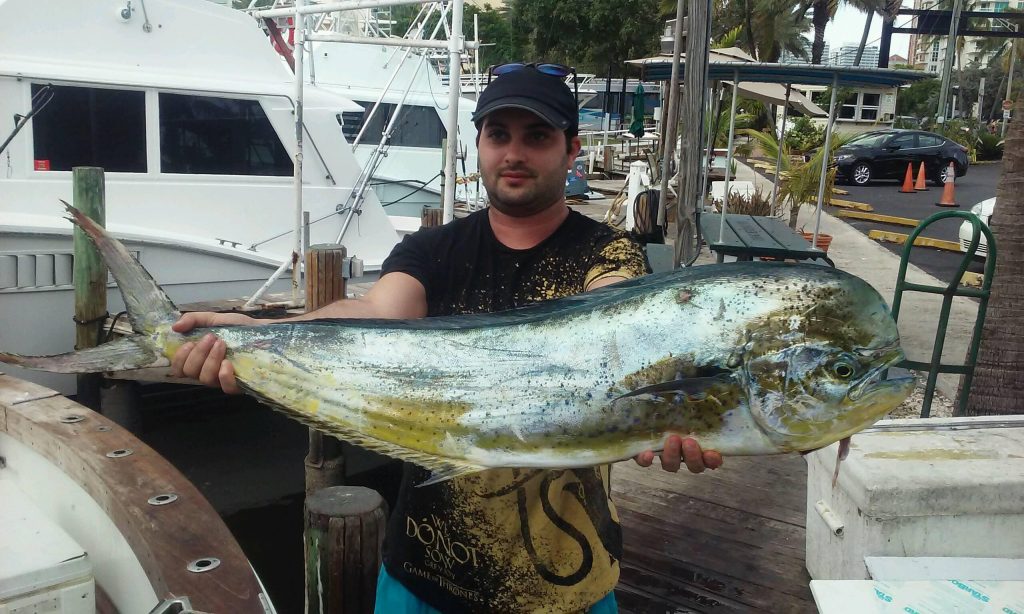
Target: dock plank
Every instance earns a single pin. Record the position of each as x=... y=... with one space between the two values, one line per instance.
x=730 y=540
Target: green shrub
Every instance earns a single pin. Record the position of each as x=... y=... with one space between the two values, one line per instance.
x=990 y=146
x=804 y=135
x=962 y=132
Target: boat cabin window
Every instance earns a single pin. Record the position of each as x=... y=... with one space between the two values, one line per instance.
x=87 y=126
x=417 y=126
x=206 y=135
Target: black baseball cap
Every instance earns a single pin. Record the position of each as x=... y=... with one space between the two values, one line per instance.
x=546 y=96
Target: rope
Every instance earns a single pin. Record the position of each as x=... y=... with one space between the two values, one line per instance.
x=102 y=318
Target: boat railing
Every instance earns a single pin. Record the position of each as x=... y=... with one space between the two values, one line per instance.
x=299 y=12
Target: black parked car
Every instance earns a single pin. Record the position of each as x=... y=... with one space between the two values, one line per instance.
x=884 y=154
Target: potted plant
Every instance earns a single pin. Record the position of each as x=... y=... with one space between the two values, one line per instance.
x=823 y=242
x=754 y=203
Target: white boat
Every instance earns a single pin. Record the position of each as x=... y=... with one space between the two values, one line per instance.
x=403 y=84
x=191 y=113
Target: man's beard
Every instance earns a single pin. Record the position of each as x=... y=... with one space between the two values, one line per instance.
x=542 y=194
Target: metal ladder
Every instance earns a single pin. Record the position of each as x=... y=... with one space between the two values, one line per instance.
x=935 y=366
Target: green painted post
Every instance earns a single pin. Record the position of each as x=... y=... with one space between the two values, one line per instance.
x=90 y=277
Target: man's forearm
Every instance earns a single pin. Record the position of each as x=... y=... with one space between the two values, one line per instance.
x=343 y=308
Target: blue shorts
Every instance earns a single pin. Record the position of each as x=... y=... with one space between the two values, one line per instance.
x=394 y=598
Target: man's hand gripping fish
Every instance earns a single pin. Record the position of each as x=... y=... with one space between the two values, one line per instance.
x=745 y=358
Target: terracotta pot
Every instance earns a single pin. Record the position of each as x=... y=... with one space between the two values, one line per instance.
x=824 y=240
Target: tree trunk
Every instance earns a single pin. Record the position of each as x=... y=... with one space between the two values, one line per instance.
x=864 y=38
x=998 y=386
x=819 y=20
x=748 y=30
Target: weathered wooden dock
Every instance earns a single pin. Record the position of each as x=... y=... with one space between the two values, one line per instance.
x=729 y=540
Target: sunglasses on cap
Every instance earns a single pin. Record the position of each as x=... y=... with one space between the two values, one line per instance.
x=554 y=70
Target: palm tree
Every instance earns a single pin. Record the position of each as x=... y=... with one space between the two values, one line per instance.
x=762 y=28
x=886 y=8
x=998 y=386
x=823 y=12
x=779 y=28
x=798 y=182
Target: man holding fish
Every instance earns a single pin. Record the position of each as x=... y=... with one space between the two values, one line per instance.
x=504 y=539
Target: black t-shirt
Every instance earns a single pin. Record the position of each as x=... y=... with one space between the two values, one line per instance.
x=508 y=540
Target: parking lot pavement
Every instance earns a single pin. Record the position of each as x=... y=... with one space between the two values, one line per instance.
x=980 y=182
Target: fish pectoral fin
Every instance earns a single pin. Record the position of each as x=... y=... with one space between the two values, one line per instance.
x=689 y=386
x=444 y=471
x=120 y=355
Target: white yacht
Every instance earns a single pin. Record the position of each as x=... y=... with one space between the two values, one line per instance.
x=407 y=169
x=191 y=113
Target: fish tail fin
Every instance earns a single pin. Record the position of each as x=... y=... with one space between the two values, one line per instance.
x=120 y=355
x=149 y=309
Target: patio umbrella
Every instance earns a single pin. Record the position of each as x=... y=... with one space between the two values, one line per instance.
x=637 y=127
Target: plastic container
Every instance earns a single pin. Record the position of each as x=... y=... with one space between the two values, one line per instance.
x=941 y=487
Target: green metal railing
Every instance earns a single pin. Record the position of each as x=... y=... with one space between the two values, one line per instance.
x=948 y=292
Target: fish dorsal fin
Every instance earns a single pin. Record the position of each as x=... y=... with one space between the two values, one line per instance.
x=441 y=468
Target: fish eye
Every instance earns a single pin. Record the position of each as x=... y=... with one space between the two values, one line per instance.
x=843 y=369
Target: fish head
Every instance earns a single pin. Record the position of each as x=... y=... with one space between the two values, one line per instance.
x=820 y=375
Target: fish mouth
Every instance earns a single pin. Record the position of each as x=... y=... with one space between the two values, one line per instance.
x=872 y=384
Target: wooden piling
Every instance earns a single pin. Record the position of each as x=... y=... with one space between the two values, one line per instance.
x=90 y=276
x=325 y=283
x=343 y=537
x=432 y=216
x=608 y=159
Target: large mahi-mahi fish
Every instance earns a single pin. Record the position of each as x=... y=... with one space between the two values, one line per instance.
x=745 y=358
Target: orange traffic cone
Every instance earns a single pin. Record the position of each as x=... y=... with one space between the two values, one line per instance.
x=947 y=199
x=908 y=181
x=920 y=186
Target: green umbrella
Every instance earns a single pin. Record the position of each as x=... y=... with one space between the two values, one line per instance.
x=637 y=127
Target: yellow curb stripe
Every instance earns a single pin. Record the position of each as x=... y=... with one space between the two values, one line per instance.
x=972 y=279
x=878 y=217
x=900 y=238
x=849 y=204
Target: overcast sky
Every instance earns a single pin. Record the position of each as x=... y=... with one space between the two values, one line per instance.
x=849 y=24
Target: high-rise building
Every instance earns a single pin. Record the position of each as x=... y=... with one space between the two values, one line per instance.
x=848 y=53
x=928 y=52
x=790 y=58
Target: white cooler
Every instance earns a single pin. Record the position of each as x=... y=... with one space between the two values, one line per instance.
x=42 y=569
x=935 y=487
